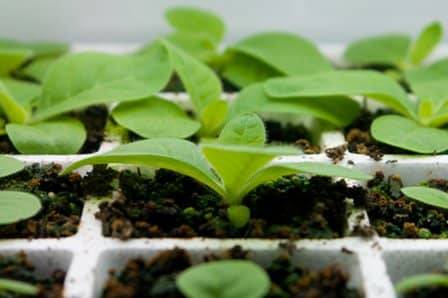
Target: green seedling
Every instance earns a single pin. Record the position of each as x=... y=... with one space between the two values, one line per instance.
x=395 y=50
x=17 y=287
x=236 y=163
x=224 y=279
x=15 y=206
x=419 y=128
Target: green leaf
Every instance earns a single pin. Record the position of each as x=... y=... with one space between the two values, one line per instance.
x=196 y=21
x=16 y=206
x=338 y=110
x=61 y=135
x=246 y=129
x=275 y=171
x=18 y=287
x=238 y=215
x=427 y=195
x=173 y=154
x=197 y=46
x=201 y=82
x=387 y=49
x=213 y=117
x=421 y=281
x=224 y=279
x=24 y=93
x=427 y=40
x=80 y=80
x=14 y=111
x=243 y=70
x=287 y=53
x=9 y=166
x=38 y=69
x=407 y=134
x=155 y=117
x=236 y=164
x=344 y=83
x=12 y=59
x=38 y=48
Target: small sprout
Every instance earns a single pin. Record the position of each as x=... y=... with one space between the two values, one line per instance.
x=232 y=166
x=18 y=287
x=224 y=279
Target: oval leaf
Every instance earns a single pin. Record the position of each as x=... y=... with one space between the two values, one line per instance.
x=349 y=82
x=62 y=135
x=12 y=59
x=387 y=49
x=16 y=206
x=407 y=134
x=421 y=281
x=9 y=166
x=80 y=80
x=38 y=48
x=224 y=279
x=213 y=117
x=18 y=287
x=427 y=195
x=14 y=111
x=427 y=40
x=155 y=117
x=246 y=129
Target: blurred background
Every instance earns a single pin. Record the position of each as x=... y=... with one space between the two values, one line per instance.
x=138 y=21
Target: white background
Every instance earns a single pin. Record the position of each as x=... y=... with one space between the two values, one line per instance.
x=142 y=20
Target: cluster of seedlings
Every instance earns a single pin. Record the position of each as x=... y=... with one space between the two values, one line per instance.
x=215 y=167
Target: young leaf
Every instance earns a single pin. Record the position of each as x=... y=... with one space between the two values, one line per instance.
x=39 y=49
x=11 y=59
x=338 y=110
x=9 y=166
x=155 y=117
x=388 y=49
x=168 y=153
x=427 y=40
x=24 y=93
x=196 y=21
x=247 y=129
x=13 y=110
x=421 y=281
x=16 y=206
x=79 y=80
x=238 y=215
x=201 y=82
x=427 y=195
x=61 y=135
x=348 y=82
x=224 y=279
x=213 y=117
x=18 y=287
x=197 y=46
x=37 y=70
x=407 y=134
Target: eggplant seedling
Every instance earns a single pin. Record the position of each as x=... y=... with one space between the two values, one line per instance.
x=419 y=128
x=15 y=205
x=224 y=279
x=233 y=165
x=395 y=50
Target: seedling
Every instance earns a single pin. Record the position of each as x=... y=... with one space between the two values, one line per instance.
x=18 y=287
x=76 y=81
x=417 y=129
x=224 y=279
x=14 y=205
x=232 y=166
x=395 y=50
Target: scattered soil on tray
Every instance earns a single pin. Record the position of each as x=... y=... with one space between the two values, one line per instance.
x=289 y=133
x=172 y=205
x=94 y=119
x=156 y=277
x=19 y=268
x=394 y=215
x=359 y=139
x=62 y=199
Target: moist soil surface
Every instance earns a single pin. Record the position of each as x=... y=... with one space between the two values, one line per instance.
x=172 y=205
x=94 y=119
x=394 y=215
x=62 y=199
x=359 y=140
x=20 y=269
x=156 y=277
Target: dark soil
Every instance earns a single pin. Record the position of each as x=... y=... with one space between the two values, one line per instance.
x=19 y=268
x=62 y=199
x=288 y=133
x=156 y=277
x=172 y=205
x=360 y=140
x=394 y=215
x=94 y=119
